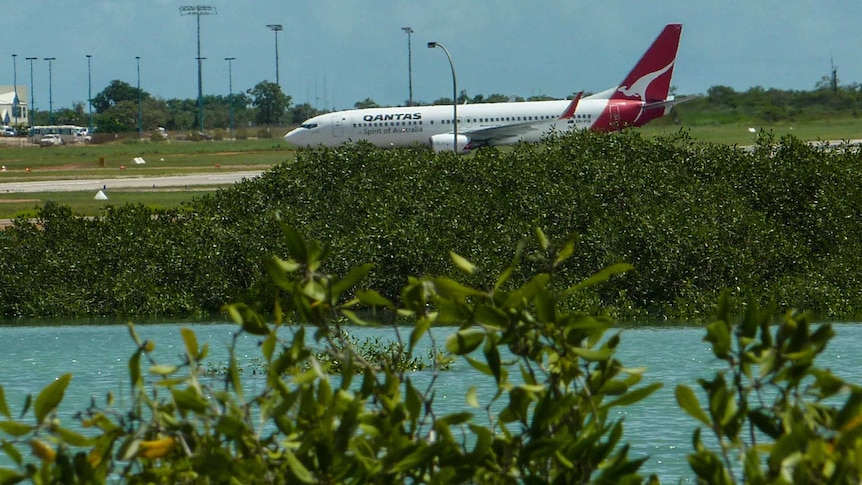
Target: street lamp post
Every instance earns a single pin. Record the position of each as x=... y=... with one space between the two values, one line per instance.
x=276 y=28
x=140 y=106
x=15 y=107
x=32 y=110
x=50 y=90
x=409 y=31
x=432 y=45
x=89 y=97
x=197 y=11
x=230 y=92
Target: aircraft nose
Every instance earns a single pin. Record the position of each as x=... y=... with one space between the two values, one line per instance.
x=293 y=136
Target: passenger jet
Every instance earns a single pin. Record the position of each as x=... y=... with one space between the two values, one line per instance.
x=640 y=98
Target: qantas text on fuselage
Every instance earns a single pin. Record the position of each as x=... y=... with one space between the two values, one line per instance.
x=642 y=96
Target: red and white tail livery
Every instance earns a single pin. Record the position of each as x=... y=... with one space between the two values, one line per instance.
x=641 y=97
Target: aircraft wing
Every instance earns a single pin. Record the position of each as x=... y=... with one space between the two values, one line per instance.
x=484 y=135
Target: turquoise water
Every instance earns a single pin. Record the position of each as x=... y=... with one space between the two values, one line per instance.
x=32 y=356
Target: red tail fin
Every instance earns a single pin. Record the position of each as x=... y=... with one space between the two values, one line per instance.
x=649 y=81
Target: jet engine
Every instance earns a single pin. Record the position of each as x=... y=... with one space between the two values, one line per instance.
x=443 y=143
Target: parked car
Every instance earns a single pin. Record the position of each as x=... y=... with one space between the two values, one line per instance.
x=51 y=139
x=8 y=131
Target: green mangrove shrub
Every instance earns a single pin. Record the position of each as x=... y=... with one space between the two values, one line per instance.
x=552 y=419
x=693 y=218
x=374 y=425
x=777 y=418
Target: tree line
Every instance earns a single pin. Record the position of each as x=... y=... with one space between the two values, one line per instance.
x=116 y=107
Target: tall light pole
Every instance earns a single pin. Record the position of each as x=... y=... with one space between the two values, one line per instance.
x=140 y=109
x=89 y=97
x=409 y=62
x=432 y=45
x=230 y=92
x=15 y=107
x=276 y=28
x=197 y=11
x=50 y=91
x=32 y=111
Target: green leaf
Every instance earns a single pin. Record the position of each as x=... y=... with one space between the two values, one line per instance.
x=601 y=276
x=295 y=243
x=50 y=397
x=298 y=469
x=233 y=375
x=490 y=316
x=565 y=253
x=135 y=370
x=636 y=395
x=14 y=428
x=462 y=263
x=354 y=318
x=464 y=341
x=541 y=238
x=4 y=408
x=251 y=321
x=189 y=400
x=10 y=476
x=450 y=288
x=718 y=333
x=71 y=437
x=351 y=280
x=163 y=369
x=278 y=271
x=689 y=403
x=373 y=298
x=472 y=398
x=191 y=341
x=419 y=329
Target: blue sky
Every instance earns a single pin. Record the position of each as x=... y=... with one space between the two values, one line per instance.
x=334 y=53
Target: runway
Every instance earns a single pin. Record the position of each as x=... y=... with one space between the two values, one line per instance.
x=165 y=182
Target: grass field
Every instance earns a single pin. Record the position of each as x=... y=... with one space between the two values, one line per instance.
x=739 y=134
x=173 y=158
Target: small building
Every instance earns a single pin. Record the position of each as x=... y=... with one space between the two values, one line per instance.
x=14 y=109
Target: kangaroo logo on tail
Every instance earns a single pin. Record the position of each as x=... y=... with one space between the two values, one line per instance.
x=649 y=80
x=639 y=88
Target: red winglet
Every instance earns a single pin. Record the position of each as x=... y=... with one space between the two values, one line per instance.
x=570 y=109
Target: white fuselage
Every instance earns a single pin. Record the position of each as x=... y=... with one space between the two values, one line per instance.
x=388 y=127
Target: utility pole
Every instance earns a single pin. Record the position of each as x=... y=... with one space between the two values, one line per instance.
x=276 y=28
x=409 y=62
x=197 y=11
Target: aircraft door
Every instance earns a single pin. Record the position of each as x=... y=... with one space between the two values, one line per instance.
x=337 y=127
x=615 y=116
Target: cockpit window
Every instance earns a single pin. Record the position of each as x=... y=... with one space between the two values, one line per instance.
x=309 y=126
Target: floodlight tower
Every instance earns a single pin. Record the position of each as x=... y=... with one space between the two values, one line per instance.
x=31 y=111
x=276 y=28
x=89 y=96
x=197 y=11
x=15 y=108
x=140 y=105
x=230 y=92
x=50 y=91
x=409 y=32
